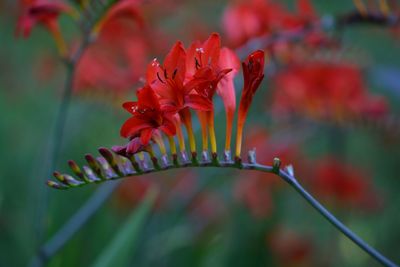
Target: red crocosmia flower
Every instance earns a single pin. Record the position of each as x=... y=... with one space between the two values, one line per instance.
x=207 y=64
x=325 y=90
x=204 y=66
x=176 y=92
x=344 y=185
x=168 y=82
x=147 y=117
x=253 y=73
x=44 y=13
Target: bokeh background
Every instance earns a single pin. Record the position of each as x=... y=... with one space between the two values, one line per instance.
x=344 y=150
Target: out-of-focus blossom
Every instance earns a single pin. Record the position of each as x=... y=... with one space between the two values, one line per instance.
x=44 y=13
x=247 y=20
x=344 y=185
x=123 y=9
x=253 y=73
x=290 y=248
x=132 y=191
x=114 y=62
x=207 y=209
x=325 y=90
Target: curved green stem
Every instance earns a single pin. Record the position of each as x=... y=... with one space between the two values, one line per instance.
x=291 y=180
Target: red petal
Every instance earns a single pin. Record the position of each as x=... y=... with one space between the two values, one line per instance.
x=168 y=128
x=198 y=102
x=176 y=60
x=226 y=88
x=147 y=97
x=211 y=49
x=132 y=126
x=145 y=136
x=190 y=59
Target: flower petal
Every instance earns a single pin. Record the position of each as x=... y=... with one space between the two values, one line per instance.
x=198 y=102
x=132 y=126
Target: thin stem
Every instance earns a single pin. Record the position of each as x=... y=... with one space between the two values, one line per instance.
x=291 y=180
x=58 y=133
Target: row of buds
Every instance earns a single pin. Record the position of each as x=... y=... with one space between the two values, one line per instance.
x=186 y=82
x=111 y=166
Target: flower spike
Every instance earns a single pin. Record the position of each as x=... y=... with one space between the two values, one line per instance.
x=253 y=73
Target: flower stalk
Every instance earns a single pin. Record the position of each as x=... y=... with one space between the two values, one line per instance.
x=128 y=169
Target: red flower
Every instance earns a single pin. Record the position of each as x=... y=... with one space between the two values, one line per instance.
x=205 y=67
x=168 y=82
x=207 y=64
x=253 y=73
x=147 y=117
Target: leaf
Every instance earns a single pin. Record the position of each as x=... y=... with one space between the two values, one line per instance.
x=122 y=247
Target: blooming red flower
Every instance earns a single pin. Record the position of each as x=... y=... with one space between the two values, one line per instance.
x=147 y=117
x=253 y=73
x=168 y=82
x=207 y=65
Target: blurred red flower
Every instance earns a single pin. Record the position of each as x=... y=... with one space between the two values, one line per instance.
x=344 y=185
x=114 y=62
x=290 y=248
x=325 y=89
x=246 y=20
x=40 y=12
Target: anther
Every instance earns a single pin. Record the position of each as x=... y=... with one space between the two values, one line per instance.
x=159 y=78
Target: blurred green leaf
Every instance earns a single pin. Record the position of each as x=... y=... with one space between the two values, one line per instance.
x=123 y=245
